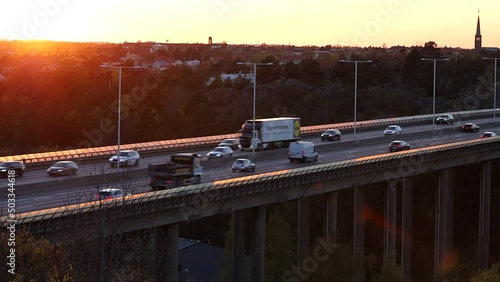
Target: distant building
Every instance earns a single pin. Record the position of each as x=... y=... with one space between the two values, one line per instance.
x=232 y=77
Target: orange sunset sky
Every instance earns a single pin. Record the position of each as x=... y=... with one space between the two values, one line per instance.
x=316 y=22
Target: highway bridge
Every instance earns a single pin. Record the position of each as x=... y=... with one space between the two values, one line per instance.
x=342 y=165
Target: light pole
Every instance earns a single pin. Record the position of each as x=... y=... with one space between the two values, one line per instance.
x=254 y=94
x=119 y=67
x=494 y=87
x=434 y=88
x=355 y=87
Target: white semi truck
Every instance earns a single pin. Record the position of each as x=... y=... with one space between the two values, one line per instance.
x=269 y=133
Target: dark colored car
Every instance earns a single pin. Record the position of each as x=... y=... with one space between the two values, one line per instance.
x=470 y=127
x=398 y=146
x=331 y=135
x=445 y=119
x=488 y=134
x=63 y=168
x=16 y=166
x=109 y=193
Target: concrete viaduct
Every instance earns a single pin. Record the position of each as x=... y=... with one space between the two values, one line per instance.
x=247 y=198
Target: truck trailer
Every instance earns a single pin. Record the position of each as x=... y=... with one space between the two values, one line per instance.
x=182 y=169
x=270 y=133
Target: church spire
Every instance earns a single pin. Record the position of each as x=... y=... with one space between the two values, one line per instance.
x=478 y=28
x=477 y=37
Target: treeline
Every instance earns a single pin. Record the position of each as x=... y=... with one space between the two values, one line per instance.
x=75 y=103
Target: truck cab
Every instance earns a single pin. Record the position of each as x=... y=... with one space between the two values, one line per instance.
x=182 y=169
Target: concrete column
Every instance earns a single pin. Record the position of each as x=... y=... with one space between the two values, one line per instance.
x=238 y=232
x=406 y=226
x=330 y=225
x=166 y=253
x=390 y=220
x=304 y=212
x=258 y=243
x=359 y=235
x=484 y=215
x=444 y=221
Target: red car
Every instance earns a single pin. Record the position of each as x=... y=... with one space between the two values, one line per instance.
x=488 y=134
x=398 y=146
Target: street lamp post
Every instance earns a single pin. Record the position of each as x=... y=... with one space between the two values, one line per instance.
x=254 y=94
x=434 y=87
x=355 y=88
x=494 y=86
x=119 y=67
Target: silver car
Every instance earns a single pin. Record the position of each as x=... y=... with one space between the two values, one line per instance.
x=220 y=152
x=233 y=143
x=393 y=130
x=243 y=165
x=125 y=158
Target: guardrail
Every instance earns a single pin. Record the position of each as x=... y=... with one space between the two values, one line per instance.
x=156 y=146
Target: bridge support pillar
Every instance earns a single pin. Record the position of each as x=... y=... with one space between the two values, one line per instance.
x=484 y=215
x=304 y=211
x=359 y=235
x=330 y=225
x=166 y=252
x=238 y=244
x=443 y=241
x=258 y=243
x=390 y=221
x=406 y=226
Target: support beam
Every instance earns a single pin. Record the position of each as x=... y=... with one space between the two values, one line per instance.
x=258 y=243
x=443 y=245
x=166 y=253
x=359 y=235
x=406 y=226
x=390 y=221
x=304 y=214
x=484 y=215
x=330 y=225
x=238 y=232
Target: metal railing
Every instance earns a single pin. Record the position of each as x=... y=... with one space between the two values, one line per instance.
x=192 y=143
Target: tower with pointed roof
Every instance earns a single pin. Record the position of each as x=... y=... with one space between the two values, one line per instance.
x=477 y=37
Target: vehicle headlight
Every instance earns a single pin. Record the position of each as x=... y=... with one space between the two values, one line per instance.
x=59 y=170
x=3 y=170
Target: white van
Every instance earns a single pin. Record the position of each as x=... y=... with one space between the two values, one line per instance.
x=302 y=151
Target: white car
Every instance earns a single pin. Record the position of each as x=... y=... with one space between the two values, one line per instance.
x=220 y=152
x=109 y=194
x=243 y=165
x=393 y=130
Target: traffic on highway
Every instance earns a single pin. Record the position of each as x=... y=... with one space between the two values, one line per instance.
x=36 y=191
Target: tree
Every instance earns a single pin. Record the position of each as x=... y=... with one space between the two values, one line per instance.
x=280 y=250
x=488 y=275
